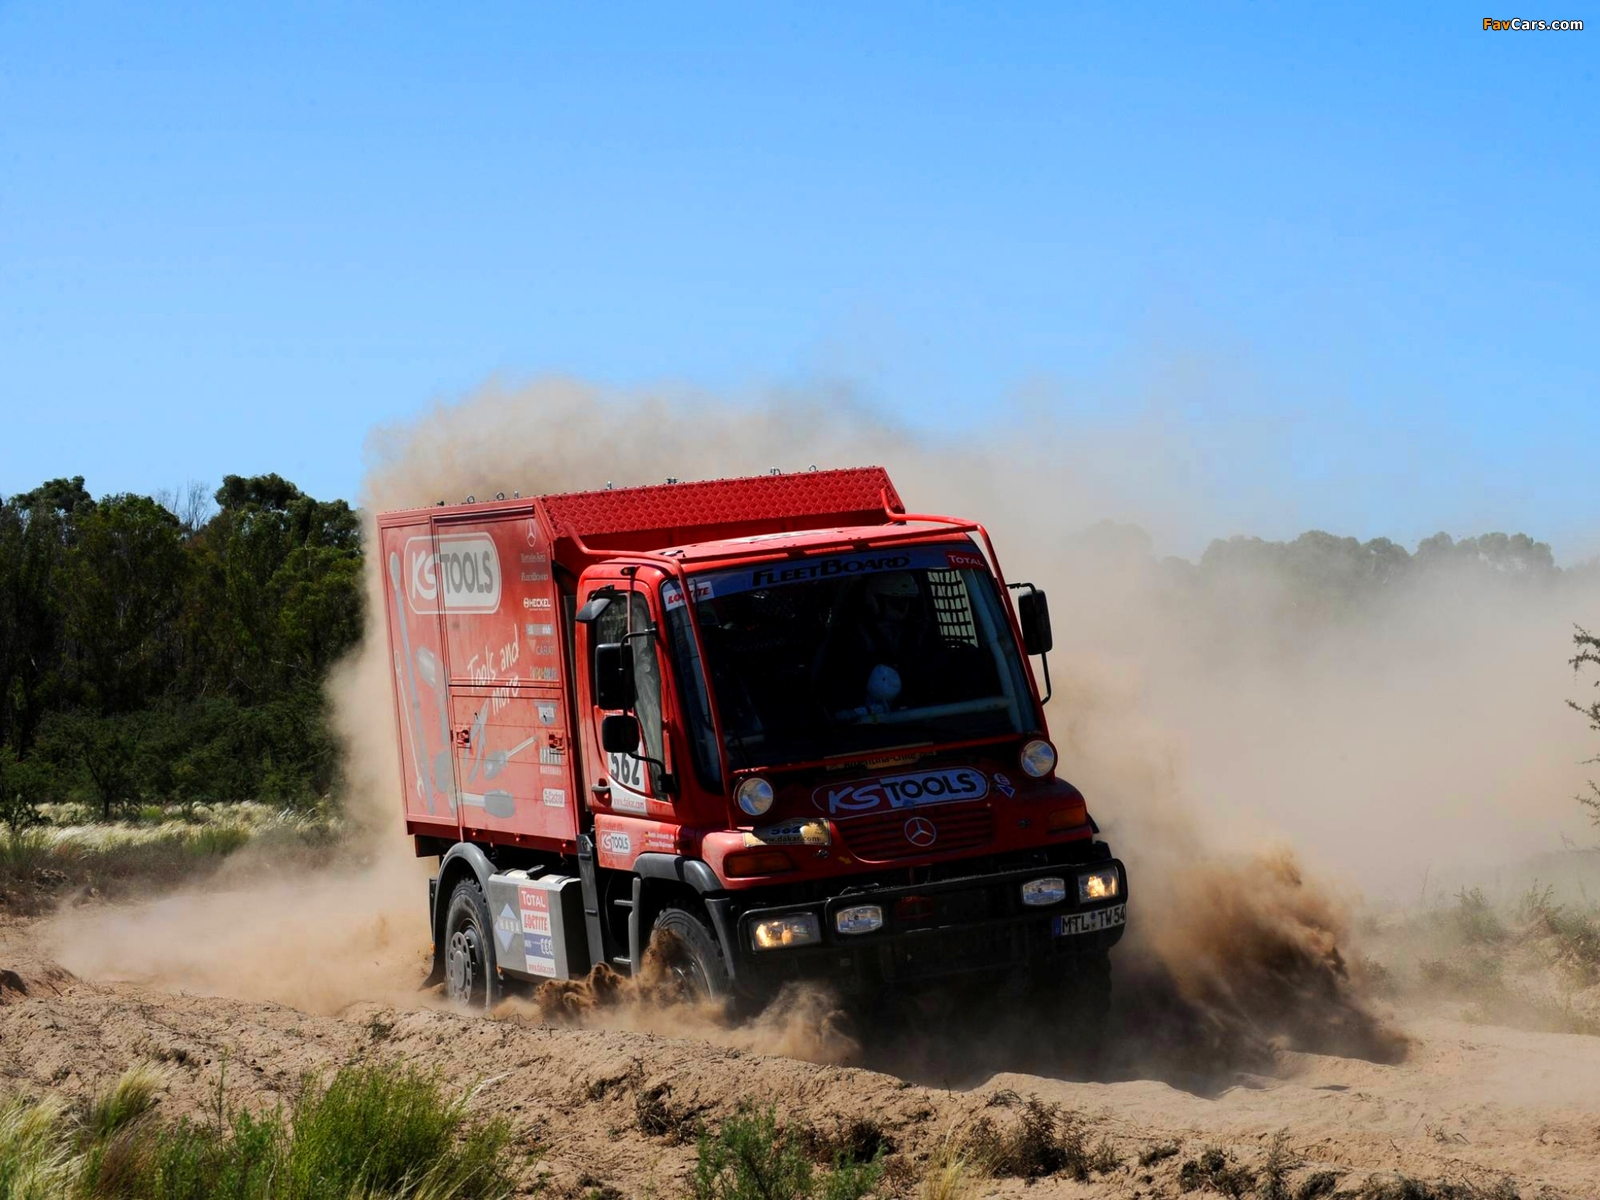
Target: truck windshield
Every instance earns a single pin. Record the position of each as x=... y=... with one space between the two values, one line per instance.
x=818 y=657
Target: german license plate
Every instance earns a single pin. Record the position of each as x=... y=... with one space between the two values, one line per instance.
x=1090 y=922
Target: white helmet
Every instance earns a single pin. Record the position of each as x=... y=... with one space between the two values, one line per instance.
x=900 y=585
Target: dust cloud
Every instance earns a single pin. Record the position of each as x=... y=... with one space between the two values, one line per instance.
x=1211 y=716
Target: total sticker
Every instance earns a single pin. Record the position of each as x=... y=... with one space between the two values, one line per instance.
x=535 y=910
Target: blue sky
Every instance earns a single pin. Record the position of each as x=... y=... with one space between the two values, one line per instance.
x=233 y=240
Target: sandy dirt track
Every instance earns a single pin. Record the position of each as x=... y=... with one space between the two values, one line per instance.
x=1471 y=1103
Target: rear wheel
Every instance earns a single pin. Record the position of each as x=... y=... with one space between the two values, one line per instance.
x=691 y=956
x=469 y=968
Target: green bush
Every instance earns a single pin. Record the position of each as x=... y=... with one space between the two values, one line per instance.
x=372 y=1131
x=754 y=1157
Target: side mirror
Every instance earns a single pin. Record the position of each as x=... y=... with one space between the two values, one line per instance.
x=613 y=676
x=619 y=734
x=1033 y=614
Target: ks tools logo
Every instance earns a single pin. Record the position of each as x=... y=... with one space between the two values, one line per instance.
x=465 y=567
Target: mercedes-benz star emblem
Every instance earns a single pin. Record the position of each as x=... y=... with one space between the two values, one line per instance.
x=920 y=831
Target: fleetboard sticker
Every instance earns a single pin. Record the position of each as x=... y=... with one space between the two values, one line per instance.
x=915 y=789
x=833 y=566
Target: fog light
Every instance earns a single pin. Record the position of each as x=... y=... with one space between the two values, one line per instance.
x=860 y=918
x=754 y=795
x=779 y=933
x=1098 y=885
x=1039 y=892
x=1038 y=758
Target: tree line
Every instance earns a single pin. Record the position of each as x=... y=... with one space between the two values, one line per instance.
x=172 y=648
x=175 y=647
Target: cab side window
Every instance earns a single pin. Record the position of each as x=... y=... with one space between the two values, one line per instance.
x=616 y=624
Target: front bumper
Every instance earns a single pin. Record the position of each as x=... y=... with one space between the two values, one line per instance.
x=973 y=925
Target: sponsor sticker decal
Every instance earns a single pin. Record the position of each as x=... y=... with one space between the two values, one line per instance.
x=833 y=566
x=966 y=560
x=535 y=904
x=547 y=712
x=538 y=946
x=555 y=797
x=540 y=953
x=462 y=574
x=915 y=789
x=506 y=927
x=545 y=674
x=827 y=568
x=532 y=601
x=534 y=576
x=614 y=842
x=541 y=629
x=1004 y=785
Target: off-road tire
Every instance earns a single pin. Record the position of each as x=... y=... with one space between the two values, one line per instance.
x=693 y=955
x=470 y=978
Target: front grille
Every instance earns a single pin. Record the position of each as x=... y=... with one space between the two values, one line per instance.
x=884 y=836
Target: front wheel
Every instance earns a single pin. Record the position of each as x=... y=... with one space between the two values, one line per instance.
x=690 y=956
x=469 y=968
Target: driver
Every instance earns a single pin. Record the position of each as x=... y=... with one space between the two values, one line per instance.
x=892 y=631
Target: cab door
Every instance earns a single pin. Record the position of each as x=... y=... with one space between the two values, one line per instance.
x=637 y=785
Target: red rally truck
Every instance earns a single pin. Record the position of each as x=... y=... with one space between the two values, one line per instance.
x=779 y=717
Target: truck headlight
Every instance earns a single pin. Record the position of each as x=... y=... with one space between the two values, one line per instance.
x=1098 y=885
x=754 y=795
x=1049 y=890
x=779 y=933
x=858 y=918
x=1038 y=758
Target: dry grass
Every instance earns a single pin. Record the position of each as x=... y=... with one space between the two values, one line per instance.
x=40 y=866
